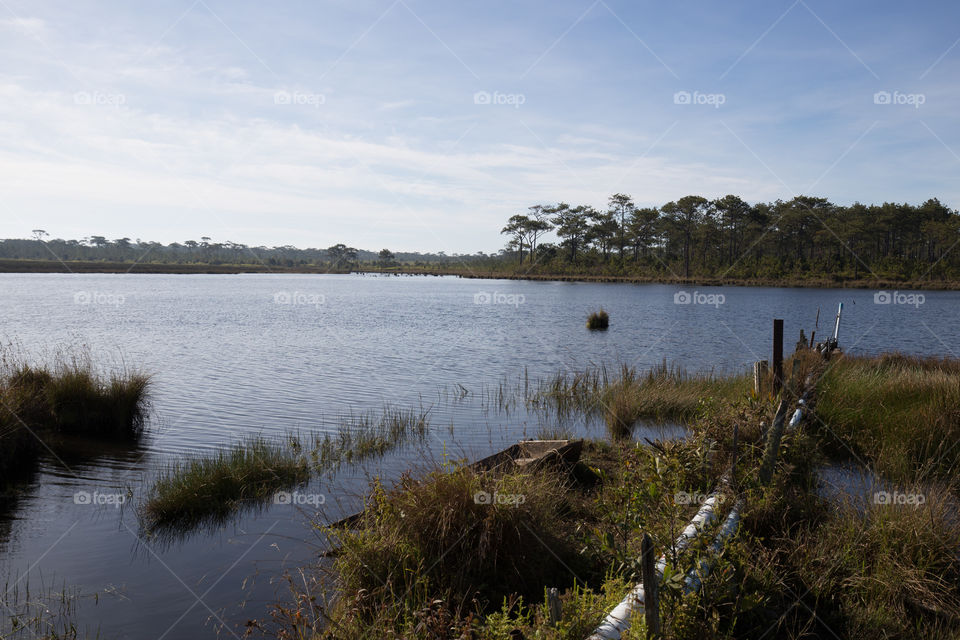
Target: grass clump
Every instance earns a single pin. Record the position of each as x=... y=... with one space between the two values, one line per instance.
x=598 y=320
x=211 y=488
x=66 y=398
x=454 y=547
x=899 y=412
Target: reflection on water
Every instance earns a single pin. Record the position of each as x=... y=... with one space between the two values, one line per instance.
x=229 y=361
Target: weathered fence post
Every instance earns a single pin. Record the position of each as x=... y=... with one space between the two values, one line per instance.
x=651 y=599
x=777 y=355
x=554 y=608
x=760 y=369
x=773 y=442
x=733 y=461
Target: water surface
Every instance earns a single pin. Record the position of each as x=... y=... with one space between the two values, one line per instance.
x=233 y=355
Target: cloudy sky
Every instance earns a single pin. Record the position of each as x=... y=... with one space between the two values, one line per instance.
x=423 y=125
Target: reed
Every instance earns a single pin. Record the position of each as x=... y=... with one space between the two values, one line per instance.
x=662 y=394
x=69 y=397
x=210 y=488
x=598 y=320
x=899 y=413
x=368 y=435
x=469 y=538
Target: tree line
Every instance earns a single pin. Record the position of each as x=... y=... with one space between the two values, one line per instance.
x=207 y=251
x=694 y=236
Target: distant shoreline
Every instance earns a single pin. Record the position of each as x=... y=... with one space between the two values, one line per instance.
x=54 y=266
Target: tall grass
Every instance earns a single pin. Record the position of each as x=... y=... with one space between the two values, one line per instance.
x=468 y=538
x=598 y=320
x=40 y=611
x=369 y=435
x=209 y=489
x=662 y=394
x=899 y=413
x=68 y=397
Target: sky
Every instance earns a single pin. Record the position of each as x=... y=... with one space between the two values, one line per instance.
x=424 y=125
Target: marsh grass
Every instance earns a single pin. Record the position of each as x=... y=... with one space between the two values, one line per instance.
x=662 y=394
x=434 y=538
x=69 y=397
x=431 y=560
x=800 y=567
x=209 y=489
x=369 y=435
x=861 y=569
x=598 y=320
x=900 y=413
x=41 y=610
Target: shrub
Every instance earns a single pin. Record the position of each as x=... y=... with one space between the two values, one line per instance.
x=598 y=320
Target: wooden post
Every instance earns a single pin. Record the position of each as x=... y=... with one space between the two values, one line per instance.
x=651 y=599
x=773 y=442
x=733 y=463
x=795 y=385
x=816 y=326
x=777 y=355
x=759 y=376
x=554 y=608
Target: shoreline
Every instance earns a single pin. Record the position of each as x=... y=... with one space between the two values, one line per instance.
x=53 y=266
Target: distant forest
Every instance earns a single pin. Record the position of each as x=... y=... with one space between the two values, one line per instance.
x=206 y=251
x=692 y=237
x=728 y=237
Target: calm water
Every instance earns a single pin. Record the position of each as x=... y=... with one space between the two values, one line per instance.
x=244 y=354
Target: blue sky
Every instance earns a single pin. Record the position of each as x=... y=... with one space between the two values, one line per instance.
x=423 y=125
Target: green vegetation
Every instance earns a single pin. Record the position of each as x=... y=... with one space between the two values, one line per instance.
x=663 y=394
x=598 y=320
x=210 y=488
x=898 y=412
x=41 y=611
x=368 y=435
x=39 y=404
x=805 y=240
x=693 y=237
x=431 y=561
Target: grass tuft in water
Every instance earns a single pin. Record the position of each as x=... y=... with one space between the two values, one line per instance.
x=368 y=435
x=66 y=398
x=598 y=320
x=209 y=489
x=664 y=393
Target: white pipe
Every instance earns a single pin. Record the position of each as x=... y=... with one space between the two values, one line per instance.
x=618 y=620
x=697 y=574
x=836 y=329
x=795 y=420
